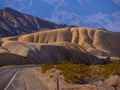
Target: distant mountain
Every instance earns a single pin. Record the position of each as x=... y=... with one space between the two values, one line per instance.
x=14 y=23
x=83 y=13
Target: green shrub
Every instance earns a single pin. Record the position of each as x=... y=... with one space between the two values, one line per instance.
x=63 y=65
x=95 y=72
x=112 y=69
x=46 y=66
x=76 y=73
x=79 y=73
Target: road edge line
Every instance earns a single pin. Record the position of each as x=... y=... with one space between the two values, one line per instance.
x=11 y=80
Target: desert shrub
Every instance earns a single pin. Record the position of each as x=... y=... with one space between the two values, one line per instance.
x=95 y=72
x=106 y=70
x=112 y=69
x=76 y=73
x=46 y=66
x=79 y=73
x=63 y=65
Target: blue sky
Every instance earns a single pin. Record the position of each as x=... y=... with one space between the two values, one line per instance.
x=85 y=13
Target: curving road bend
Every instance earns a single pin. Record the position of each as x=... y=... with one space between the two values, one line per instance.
x=19 y=78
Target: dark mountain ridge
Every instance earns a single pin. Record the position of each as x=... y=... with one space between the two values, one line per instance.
x=13 y=23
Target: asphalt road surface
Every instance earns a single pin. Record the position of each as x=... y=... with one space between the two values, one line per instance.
x=19 y=78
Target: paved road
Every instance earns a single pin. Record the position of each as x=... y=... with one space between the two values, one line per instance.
x=6 y=73
x=19 y=78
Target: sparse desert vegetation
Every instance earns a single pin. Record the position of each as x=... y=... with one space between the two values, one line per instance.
x=79 y=73
x=83 y=74
x=46 y=66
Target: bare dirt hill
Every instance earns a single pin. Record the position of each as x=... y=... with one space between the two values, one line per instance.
x=48 y=53
x=95 y=41
x=78 y=44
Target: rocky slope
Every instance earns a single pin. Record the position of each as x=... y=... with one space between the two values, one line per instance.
x=14 y=23
x=95 y=41
x=78 y=44
x=40 y=53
